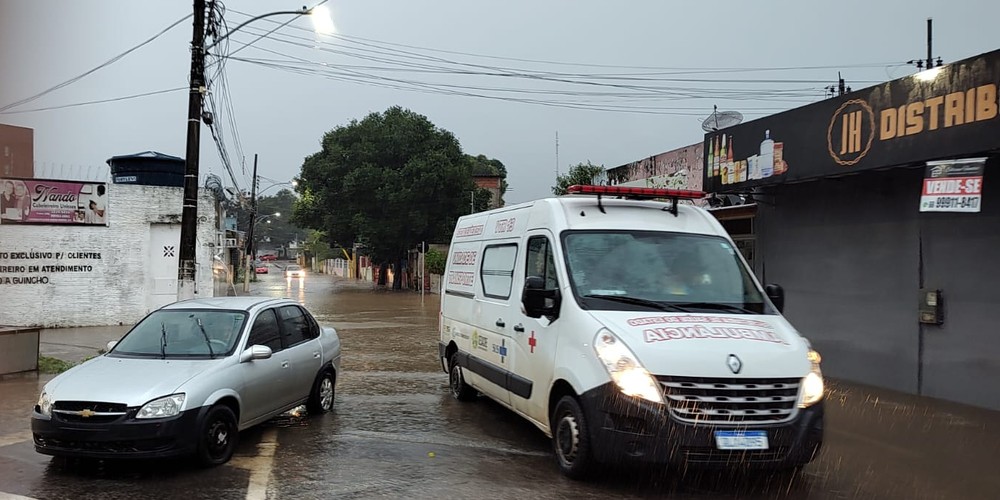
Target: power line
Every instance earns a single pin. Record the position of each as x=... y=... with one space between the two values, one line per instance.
x=91 y=71
x=100 y=101
x=592 y=65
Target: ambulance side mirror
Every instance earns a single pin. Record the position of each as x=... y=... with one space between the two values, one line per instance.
x=537 y=300
x=777 y=296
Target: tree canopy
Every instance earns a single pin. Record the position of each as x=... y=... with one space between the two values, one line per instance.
x=276 y=231
x=388 y=182
x=581 y=173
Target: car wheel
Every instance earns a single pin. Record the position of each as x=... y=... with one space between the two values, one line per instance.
x=217 y=436
x=571 y=439
x=459 y=389
x=321 y=397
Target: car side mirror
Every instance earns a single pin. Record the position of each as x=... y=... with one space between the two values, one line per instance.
x=777 y=296
x=537 y=300
x=255 y=352
x=111 y=345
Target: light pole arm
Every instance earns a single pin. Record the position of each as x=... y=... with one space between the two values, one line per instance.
x=301 y=12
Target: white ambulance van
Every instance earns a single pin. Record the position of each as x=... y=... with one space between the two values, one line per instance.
x=628 y=329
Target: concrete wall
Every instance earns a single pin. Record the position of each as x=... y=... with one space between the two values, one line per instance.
x=115 y=288
x=852 y=254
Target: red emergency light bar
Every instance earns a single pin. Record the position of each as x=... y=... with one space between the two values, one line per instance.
x=636 y=192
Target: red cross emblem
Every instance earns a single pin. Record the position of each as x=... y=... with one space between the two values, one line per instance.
x=532 y=341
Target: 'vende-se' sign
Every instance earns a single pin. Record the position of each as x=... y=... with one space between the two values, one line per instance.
x=946 y=112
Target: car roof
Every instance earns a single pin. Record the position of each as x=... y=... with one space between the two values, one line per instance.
x=238 y=303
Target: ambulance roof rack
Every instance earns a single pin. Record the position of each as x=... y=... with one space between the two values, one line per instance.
x=637 y=193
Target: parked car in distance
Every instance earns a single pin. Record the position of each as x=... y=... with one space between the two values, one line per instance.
x=268 y=257
x=187 y=378
x=294 y=271
x=261 y=268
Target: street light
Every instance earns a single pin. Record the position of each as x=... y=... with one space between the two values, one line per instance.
x=260 y=218
x=290 y=183
x=187 y=266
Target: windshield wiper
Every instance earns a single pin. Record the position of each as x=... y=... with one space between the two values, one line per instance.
x=713 y=305
x=208 y=342
x=163 y=340
x=625 y=299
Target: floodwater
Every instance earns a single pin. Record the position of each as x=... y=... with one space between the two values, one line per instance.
x=395 y=432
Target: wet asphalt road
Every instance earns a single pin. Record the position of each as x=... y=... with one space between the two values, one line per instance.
x=396 y=433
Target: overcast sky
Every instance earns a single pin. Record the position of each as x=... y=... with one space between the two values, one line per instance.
x=672 y=49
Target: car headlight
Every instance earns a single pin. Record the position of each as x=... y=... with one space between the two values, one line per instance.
x=44 y=404
x=167 y=406
x=625 y=369
x=812 y=383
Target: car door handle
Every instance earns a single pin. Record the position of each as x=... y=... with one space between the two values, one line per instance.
x=284 y=364
x=500 y=323
x=519 y=328
x=316 y=354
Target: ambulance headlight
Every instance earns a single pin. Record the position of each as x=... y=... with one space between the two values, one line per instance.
x=812 y=384
x=625 y=369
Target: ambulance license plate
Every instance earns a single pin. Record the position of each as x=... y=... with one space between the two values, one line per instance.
x=741 y=440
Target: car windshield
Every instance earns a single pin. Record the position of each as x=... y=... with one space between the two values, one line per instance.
x=183 y=333
x=642 y=270
x=294 y=268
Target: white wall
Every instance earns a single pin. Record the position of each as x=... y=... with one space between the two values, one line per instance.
x=115 y=288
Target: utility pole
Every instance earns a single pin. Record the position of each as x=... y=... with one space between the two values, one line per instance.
x=187 y=268
x=930 y=58
x=253 y=223
x=930 y=62
x=557 y=156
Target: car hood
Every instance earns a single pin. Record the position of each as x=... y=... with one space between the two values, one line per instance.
x=131 y=381
x=700 y=345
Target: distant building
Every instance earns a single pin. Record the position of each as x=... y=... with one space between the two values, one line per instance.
x=17 y=151
x=492 y=182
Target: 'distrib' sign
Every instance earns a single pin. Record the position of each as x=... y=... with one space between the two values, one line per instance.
x=945 y=112
x=953 y=186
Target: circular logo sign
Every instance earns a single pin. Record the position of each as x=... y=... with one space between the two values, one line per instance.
x=851 y=132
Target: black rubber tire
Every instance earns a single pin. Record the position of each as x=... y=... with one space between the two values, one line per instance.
x=322 y=395
x=571 y=439
x=218 y=435
x=456 y=381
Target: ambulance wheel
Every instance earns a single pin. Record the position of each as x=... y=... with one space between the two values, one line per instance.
x=571 y=439
x=459 y=389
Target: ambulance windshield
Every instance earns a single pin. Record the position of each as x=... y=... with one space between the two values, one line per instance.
x=614 y=270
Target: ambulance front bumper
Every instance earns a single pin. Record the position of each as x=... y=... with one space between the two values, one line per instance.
x=625 y=428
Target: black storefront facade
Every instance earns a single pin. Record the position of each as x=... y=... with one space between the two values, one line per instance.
x=835 y=193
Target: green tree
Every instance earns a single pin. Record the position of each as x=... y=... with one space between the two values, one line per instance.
x=582 y=173
x=388 y=181
x=276 y=231
x=435 y=261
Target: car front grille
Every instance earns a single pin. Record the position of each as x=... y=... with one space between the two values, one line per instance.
x=704 y=455
x=120 y=446
x=705 y=400
x=92 y=412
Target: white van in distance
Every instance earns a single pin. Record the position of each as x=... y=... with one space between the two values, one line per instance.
x=628 y=329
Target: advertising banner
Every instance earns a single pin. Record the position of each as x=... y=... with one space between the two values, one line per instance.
x=677 y=169
x=953 y=186
x=945 y=112
x=45 y=201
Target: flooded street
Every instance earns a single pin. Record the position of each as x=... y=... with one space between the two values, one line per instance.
x=395 y=432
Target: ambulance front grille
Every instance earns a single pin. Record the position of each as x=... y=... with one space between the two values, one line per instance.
x=705 y=400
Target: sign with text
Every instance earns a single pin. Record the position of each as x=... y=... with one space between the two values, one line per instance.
x=953 y=186
x=44 y=201
x=945 y=112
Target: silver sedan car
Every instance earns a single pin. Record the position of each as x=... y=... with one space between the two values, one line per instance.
x=187 y=378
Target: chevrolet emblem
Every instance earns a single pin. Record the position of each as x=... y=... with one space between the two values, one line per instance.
x=85 y=413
